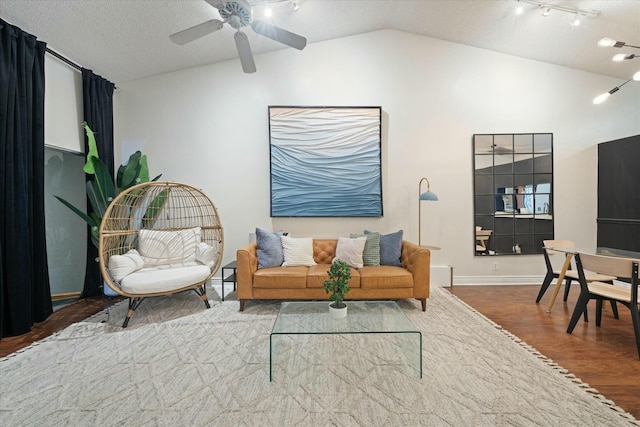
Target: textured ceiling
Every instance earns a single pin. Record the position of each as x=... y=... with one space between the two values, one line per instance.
x=125 y=40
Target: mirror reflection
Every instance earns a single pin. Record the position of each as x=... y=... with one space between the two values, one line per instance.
x=513 y=186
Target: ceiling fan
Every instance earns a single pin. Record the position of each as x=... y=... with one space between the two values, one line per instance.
x=239 y=14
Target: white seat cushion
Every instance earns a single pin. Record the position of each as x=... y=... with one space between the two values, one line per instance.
x=158 y=247
x=164 y=278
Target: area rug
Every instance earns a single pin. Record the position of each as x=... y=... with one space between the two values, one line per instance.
x=178 y=364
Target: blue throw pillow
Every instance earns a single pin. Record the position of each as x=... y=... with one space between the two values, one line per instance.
x=270 y=253
x=390 y=248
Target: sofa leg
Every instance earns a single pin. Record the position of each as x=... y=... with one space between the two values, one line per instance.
x=424 y=303
x=242 y=304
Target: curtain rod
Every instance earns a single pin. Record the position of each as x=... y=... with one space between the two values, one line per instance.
x=63 y=59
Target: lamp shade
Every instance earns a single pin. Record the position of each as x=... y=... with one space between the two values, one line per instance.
x=428 y=195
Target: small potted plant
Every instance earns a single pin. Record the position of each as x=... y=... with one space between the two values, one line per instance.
x=337 y=286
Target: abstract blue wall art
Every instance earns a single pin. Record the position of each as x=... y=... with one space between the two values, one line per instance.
x=325 y=161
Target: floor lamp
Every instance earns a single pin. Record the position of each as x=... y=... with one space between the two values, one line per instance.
x=427 y=195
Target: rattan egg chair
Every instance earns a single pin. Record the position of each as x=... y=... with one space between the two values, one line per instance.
x=159 y=238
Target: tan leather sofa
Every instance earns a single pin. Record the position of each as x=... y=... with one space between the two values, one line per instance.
x=306 y=283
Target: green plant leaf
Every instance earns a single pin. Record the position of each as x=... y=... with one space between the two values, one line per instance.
x=104 y=182
x=93 y=149
x=156 y=178
x=77 y=211
x=95 y=199
x=154 y=208
x=130 y=171
x=143 y=173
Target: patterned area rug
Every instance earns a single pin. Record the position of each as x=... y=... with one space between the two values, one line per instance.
x=178 y=364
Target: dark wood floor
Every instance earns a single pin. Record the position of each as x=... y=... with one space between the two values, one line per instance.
x=605 y=358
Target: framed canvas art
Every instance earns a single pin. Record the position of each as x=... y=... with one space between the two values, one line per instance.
x=325 y=161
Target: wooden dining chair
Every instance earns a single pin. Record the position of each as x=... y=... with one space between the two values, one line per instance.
x=570 y=274
x=624 y=269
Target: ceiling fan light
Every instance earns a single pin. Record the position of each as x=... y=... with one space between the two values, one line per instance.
x=619 y=57
x=636 y=76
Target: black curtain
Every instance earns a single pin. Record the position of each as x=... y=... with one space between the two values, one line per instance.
x=25 y=296
x=97 y=95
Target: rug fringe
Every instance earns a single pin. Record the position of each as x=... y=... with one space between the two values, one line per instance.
x=549 y=362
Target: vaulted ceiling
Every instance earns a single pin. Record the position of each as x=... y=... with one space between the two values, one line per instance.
x=125 y=40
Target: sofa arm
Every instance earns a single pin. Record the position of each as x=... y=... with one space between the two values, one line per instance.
x=417 y=259
x=247 y=264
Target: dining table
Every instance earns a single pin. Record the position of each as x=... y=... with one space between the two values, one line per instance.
x=570 y=252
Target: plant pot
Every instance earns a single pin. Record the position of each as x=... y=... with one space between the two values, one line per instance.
x=338 y=313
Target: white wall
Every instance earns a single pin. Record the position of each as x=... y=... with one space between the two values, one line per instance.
x=208 y=126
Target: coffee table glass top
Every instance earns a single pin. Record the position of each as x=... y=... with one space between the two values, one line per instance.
x=363 y=317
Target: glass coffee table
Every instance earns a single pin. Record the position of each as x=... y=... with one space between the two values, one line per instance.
x=364 y=317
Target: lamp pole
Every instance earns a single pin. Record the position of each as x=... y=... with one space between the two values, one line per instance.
x=427 y=195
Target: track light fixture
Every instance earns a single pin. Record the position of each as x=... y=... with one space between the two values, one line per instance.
x=603 y=97
x=622 y=57
x=548 y=7
x=607 y=42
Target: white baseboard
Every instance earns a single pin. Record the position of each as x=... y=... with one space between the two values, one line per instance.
x=441 y=275
x=497 y=280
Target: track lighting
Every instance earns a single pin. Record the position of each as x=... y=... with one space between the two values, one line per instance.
x=548 y=7
x=622 y=57
x=607 y=42
x=295 y=5
x=603 y=97
x=575 y=21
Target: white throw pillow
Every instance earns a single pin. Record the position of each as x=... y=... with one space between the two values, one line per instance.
x=297 y=251
x=120 y=266
x=168 y=247
x=350 y=251
x=206 y=255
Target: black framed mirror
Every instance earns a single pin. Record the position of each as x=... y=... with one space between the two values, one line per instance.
x=513 y=193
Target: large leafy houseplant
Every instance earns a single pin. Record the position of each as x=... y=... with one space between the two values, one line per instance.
x=101 y=190
x=338 y=283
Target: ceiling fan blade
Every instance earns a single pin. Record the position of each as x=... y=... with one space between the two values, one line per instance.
x=244 y=51
x=278 y=34
x=216 y=3
x=200 y=30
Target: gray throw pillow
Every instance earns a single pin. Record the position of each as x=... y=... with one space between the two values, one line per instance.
x=270 y=253
x=371 y=254
x=390 y=248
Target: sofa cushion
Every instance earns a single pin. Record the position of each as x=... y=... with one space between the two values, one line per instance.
x=371 y=254
x=121 y=266
x=164 y=278
x=281 y=278
x=270 y=253
x=298 y=251
x=350 y=251
x=168 y=247
x=385 y=277
x=324 y=250
x=390 y=248
x=319 y=273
